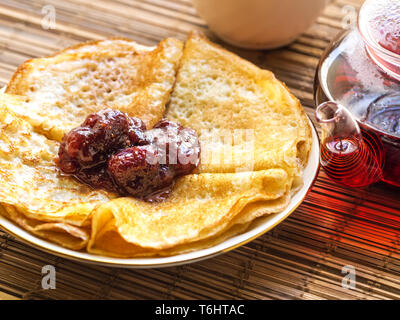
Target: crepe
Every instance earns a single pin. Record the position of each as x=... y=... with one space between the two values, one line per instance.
x=246 y=119
x=118 y=73
x=62 y=233
x=254 y=135
x=110 y=239
x=31 y=183
x=201 y=206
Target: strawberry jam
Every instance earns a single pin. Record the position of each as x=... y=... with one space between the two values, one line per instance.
x=113 y=151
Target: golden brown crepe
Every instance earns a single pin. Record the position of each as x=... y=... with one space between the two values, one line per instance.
x=217 y=93
x=110 y=239
x=62 y=233
x=254 y=134
x=32 y=185
x=119 y=73
x=201 y=206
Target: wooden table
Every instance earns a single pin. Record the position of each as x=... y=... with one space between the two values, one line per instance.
x=302 y=258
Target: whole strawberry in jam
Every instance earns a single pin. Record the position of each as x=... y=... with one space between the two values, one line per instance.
x=100 y=135
x=176 y=146
x=137 y=171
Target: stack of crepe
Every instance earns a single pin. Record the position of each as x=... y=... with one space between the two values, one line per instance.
x=195 y=83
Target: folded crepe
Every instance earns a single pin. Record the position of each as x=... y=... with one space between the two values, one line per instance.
x=117 y=73
x=217 y=93
x=33 y=193
x=201 y=206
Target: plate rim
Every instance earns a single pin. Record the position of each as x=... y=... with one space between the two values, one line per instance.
x=180 y=259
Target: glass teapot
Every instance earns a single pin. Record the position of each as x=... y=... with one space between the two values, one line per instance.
x=357 y=89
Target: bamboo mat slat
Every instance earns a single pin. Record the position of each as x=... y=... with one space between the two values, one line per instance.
x=302 y=258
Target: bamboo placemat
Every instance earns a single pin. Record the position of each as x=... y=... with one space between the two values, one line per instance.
x=302 y=258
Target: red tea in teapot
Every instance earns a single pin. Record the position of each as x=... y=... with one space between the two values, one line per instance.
x=361 y=71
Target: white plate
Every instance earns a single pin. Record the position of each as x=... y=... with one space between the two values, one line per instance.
x=263 y=225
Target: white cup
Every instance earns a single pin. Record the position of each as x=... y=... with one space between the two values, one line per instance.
x=259 y=24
